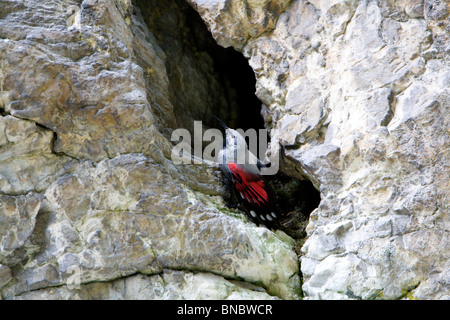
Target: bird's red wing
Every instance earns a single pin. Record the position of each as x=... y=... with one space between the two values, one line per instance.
x=251 y=187
x=257 y=195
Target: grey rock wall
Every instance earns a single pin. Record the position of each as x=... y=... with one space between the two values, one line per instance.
x=91 y=205
x=359 y=92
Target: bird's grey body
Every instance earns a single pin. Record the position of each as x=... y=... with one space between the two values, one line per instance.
x=236 y=151
x=241 y=169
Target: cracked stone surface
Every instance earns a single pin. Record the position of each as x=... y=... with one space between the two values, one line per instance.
x=359 y=93
x=91 y=206
x=172 y=285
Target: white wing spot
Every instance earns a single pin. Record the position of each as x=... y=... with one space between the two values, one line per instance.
x=253 y=213
x=269 y=217
x=273 y=215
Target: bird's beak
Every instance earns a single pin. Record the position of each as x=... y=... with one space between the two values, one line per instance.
x=221 y=122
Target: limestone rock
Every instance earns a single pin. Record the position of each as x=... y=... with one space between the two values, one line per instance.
x=18 y=216
x=129 y=215
x=91 y=205
x=27 y=161
x=359 y=93
x=233 y=23
x=172 y=285
x=5 y=275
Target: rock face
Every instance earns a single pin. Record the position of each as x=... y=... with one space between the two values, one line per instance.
x=91 y=205
x=359 y=92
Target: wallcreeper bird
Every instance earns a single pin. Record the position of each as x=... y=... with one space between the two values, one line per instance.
x=242 y=171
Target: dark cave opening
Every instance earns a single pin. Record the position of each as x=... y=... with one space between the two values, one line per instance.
x=234 y=73
x=233 y=68
x=296 y=198
x=205 y=79
x=179 y=28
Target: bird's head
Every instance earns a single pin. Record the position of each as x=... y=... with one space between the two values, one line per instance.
x=233 y=139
